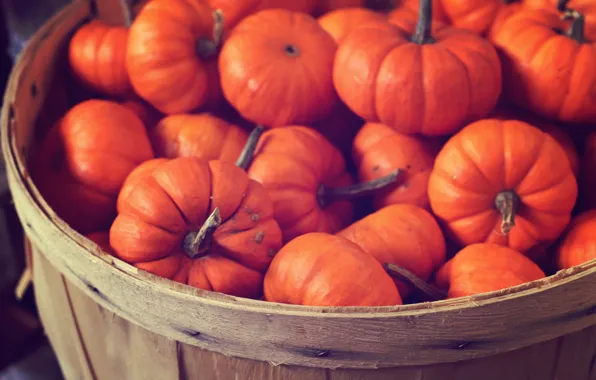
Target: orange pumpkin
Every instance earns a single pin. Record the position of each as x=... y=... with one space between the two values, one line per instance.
x=172 y=54
x=318 y=269
x=508 y=9
x=587 y=178
x=379 y=150
x=235 y=11
x=342 y=21
x=328 y=6
x=97 y=58
x=382 y=81
x=280 y=78
x=586 y=7
x=482 y=268
x=403 y=235
x=554 y=79
x=143 y=170
x=412 y=7
x=307 y=180
x=201 y=135
x=85 y=158
x=556 y=132
x=203 y=223
x=579 y=244
x=503 y=182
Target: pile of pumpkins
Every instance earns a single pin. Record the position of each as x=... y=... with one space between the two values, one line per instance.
x=325 y=153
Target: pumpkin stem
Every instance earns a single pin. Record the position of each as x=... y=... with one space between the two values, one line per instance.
x=248 y=152
x=562 y=5
x=193 y=241
x=432 y=293
x=127 y=12
x=327 y=195
x=577 y=29
x=207 y=47
x=507 y=202
x=422 y=35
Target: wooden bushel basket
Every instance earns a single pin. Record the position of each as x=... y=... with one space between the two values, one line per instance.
x=107 y=320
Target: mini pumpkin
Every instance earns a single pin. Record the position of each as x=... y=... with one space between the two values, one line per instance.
x=172 y=54
x=307 y=180
x=403 y=235
x=235 y=11
x=482 y=268
x=97 y=56
x=340 y=22
x=585 y=7
x=579 y=243
x=503 y=182
x=319 y=269
x=198 y=135
x=84 y=160
x=379 y=150
x=587 y=177
x=280 y=78
x=143 y=170
x=560 y=89
x=382 y=81
x=203 y=223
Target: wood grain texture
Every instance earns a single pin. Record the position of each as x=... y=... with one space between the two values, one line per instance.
x=411 y=336
x=113 y=348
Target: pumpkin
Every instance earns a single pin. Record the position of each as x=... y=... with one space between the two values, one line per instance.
x=508 y=9
x=578 y=246
x=97 y=56
x=485 y=267
x=281 y=78
x=503 y=182
x=587 y=178
x=148 y=115
x=84 y=160
x=556 y=132
x=172 y=54
x=383 y=81
x=319 y=269
x=199 y=222
x=328 y=6
x=143 y=170
x=379 y=150
x=236 y=10
x=586 y=7
x=411 y=7
x=559 y=89
x=307 y=181
x=404 y=235
x=201 y=135
x=342 y=21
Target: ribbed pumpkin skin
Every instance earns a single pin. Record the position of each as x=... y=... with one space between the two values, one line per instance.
x=341 y=22
x=579 y=244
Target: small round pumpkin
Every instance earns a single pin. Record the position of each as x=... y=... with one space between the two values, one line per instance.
x=143 y=170
x=579 y=243
x=97 y=58
x=559 y=89
x=235 y=11
x=340 y=22
x=319 y=269
x=282 y=77
x=382 y=81
x=84 y=160
x=585 y=7
x=482 y=268
x=203 y=223
x=198 y=135
x=172 y=54
x=307 y=181
x=503 y=182
x=587 y=177
x=378 y=150
x=403 y=235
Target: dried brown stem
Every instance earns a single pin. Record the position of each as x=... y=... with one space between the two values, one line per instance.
x=507 y=202
x=577 y=28
x=430 y=292
x=248 y=152
x=207 y=47
x=198 y=243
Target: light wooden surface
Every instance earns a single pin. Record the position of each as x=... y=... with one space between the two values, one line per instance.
x=365 y=338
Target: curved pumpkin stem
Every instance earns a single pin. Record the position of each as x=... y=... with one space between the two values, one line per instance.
x=327 y=195
x=127 y=12
x=422 y=35
x=207 y=48
x=431 y=293
x=507 y=202
x=198 y=243
x=248 y=152
x=577 y=29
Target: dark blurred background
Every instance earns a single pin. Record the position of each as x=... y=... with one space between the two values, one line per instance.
x=24 y=350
